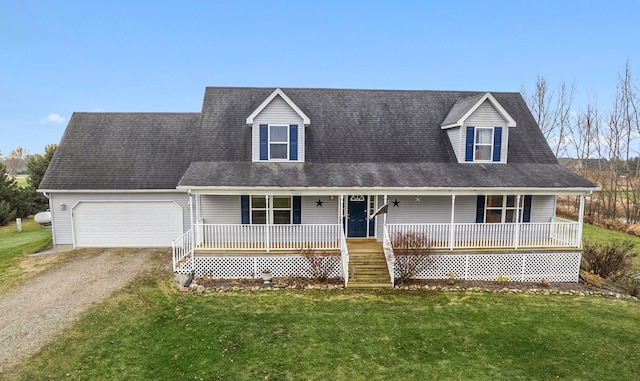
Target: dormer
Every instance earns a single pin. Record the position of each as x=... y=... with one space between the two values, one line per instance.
x=478 y=128
x=278 y=130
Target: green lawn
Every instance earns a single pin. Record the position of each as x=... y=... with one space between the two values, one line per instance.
x=151 y=332
x=599 y=234
x=14 y=246
x=22 y=180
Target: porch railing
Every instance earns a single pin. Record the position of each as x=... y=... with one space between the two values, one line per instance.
x=389 y=255
x=269 y=237
x=182 y=248
x=344 y=256
x=556 y=233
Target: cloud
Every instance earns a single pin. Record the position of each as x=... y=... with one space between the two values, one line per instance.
x=53 y=118
x=98 y=109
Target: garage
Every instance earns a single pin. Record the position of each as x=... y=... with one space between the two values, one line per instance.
x=126 y=224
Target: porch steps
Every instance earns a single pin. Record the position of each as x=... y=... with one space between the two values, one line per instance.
x=367 y=264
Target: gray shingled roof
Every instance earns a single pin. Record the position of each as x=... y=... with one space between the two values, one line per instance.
x=122 y=151
x=357 y=138
x=393 y=175
x=460 y=108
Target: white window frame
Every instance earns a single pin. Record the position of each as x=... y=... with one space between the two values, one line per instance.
x=290 y=209
x=476 y=131
x=269 y=208
x=518 y=208
x=287 y=143
x=265 y=209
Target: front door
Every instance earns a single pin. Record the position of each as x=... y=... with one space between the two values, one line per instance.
x=357 y=221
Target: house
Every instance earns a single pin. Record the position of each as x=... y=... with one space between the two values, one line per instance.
x=261 y=173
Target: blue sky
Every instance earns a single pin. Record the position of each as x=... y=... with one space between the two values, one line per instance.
x=57 y=57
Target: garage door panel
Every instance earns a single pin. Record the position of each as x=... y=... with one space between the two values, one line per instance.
x=126 y=224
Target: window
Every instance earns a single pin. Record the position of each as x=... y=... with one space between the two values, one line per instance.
x=279 y=142
x=281 y=210
x=483 y=144
x=501 y=209
x=258 y=210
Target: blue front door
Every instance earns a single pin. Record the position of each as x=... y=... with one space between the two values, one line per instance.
x=357 y=221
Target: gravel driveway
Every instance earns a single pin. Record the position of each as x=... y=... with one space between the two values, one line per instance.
x=33 y=313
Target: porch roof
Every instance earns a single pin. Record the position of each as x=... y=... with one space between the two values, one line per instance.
x=382 y=175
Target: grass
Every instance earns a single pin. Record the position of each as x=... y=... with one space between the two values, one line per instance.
x=22 y=180
x=150 y=331
x=14 y=246
x=598 y=234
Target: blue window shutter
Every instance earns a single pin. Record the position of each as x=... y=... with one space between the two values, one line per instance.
x=526 y=212
x=480 y=210
x=293 y=142
x=468 y=154
x=244 y=207
x=264 y=142
x=497 y=143
x=297 y=210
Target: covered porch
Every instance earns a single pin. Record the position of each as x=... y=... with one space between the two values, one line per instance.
x=267 y=243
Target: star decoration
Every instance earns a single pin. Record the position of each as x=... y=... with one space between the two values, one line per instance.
x=418 y=199
x=396 y=202
x=319 y=203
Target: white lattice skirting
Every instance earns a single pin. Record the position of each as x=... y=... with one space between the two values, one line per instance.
x=526 y=267
x=519 y=267
x=247 y=266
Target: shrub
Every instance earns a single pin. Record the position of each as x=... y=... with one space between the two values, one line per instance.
x=611 y=260
x=413 y=254
x=319 y=264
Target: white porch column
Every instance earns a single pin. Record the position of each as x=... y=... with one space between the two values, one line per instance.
x=452 y=228
x=516 y=233
x=580 y=222
x=191 y=209
x=384 y=218
x=267 y=244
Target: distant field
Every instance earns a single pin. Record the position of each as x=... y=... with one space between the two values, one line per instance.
x=21 y=180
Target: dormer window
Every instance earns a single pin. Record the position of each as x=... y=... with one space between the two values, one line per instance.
x=278 y=142
x=478 y=128
x=278 y=128
x=483 y=144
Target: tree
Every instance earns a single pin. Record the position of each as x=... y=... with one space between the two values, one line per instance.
x=9 y=192
x=15 y=160
x=552 y=112
x=36 y=167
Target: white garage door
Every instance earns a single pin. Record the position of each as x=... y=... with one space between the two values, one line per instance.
x=126 y=224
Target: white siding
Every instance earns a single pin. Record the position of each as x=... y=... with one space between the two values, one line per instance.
x=465 y=209
x=432 y=209
x=454 y=137
x=485 y=116
x=62 y=227
x=220 y=209
x=227 y=210
x=543 y=207
x=277 y=112
x=313 y=214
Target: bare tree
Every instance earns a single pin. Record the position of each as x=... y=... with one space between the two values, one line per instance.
x=552 y=112
x=624 y=119
x=15 y=160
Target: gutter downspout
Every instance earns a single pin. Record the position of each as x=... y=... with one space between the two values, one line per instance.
x=53 y=230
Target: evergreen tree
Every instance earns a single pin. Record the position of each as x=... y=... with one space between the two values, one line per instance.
x=9 y=196
x=36 y=168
